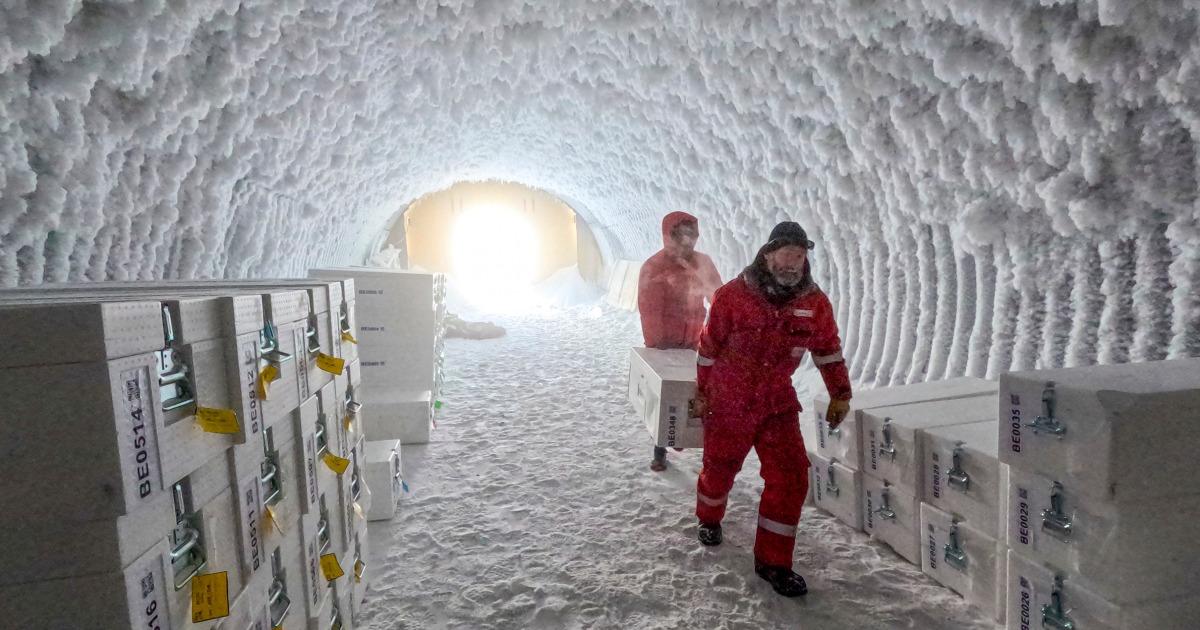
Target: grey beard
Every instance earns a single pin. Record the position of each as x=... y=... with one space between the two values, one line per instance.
x=788 y=279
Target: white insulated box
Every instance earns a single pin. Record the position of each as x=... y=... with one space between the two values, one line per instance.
x=961 y=474
x=964 y=559
x=1044 y=596
x=249 y=609
x=136 y=598
x=384 y=477
x=50 y=334
x=893 y=516
x=837 y=489
x=1097 y=429
x=891 y=448
x=398 y=415
x=844 y=443
x=316 y=591
x=1125 y=553
x=662 y=384
x=83 y=443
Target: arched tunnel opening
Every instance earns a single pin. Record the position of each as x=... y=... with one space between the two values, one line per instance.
x=248 y=215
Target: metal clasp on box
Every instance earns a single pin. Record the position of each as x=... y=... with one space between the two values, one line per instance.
x=268 y=343
x=885 y=508
x=360 y=567
x=272 y=485
x=344 y=318
x=956 y=477
x=1055 y=521
x=353 y=406
x=174 y=379
x=830 y=485
x=1053 y=615
x=1046 y=422
x=322 y=441
x=187 y=545
x=277 y=600
x=952 y=552
x=888 y=447
x=323 y=537
x=310 y=332
x=335 y=619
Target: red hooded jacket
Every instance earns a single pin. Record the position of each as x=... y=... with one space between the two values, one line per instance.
x=672 y=289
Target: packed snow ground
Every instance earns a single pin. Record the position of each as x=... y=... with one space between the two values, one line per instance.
x=533 y=507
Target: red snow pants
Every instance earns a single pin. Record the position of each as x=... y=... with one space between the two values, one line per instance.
x=776 y=438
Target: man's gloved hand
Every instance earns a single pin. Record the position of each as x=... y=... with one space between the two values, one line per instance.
x=836 y=412
x=698 y=407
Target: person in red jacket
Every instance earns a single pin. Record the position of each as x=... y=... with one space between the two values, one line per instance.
x=672 y=287
x=759 y=328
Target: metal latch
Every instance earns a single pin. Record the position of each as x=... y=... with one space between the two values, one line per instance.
x=322 y=442
x=831 y=485
x=1055 y=521
x=956 y=477
x=269 y=470
x=355 y=486
x=344 y=319
x=353 y=406
x=885 y=509
x=952 y=552
x=888 y=447
x=268 y=343
x=1053 y=615
x=277 y=600
x=1046 y=421
x=187 y=547
x=174 y=380
x=314 y=342
x=335 y=619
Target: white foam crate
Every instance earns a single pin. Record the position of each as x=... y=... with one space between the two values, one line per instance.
x=1125 y=553
x=135 y=598
x=398 y=415
x=891 y=448
x=1114 y=419
x=105 y=460
x=899 y=529
x=316 y=591
x=961 y=473
x=249 y=609
x=965 y=559
x=837 y=489
x=384 y=475
x=1035 y=596
x=50 y=334
x=662 y=384
x=844 y=443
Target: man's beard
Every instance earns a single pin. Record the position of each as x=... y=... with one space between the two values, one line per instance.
x=788 y=278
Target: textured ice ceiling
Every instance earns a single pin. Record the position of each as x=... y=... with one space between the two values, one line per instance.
x=993 y=184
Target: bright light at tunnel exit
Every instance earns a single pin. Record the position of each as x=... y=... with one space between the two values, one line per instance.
x=495 y=256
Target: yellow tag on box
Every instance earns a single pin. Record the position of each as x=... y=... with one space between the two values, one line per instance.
x=330 y=567
x=348 y=337
x=348 y=426
x=335 y=463
x=273 y=520
x=210 y=596
x=217 y=420
x=359 y=568
x=269 y=375
x=333 y=365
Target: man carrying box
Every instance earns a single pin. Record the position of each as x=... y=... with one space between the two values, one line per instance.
x=758 y=330
x=672 y=287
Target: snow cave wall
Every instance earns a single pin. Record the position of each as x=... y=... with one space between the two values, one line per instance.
x=992 y=185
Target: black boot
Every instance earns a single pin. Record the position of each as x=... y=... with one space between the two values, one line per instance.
x=709 y=534
x=784 y=580
x=659 y=463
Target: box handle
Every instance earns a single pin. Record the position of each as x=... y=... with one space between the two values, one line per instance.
x=888 y=447
x=1055 y=521
x=1053 y=615
x=956 y=477
x=953 y=554
x=278 y=594
x=1047 y=422
x=830 y=485
x=885 y=509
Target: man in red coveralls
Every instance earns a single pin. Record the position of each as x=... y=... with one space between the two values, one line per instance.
x=758 y=330
x=672 y=287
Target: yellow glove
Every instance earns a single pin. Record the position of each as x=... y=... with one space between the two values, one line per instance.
x=836 y=412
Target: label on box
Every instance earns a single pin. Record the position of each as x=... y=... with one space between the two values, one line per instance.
x=217 y=420
x=210 y=596
x=333 y=365
x=335 y=463
x=141 y=436
x=146 y=584
x=248 y=377
x=250 y=519
x=314 y=568
x=330 y=567
x=302 y=366
x=310 y=468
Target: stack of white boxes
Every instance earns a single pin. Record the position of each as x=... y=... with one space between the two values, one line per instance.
x=124 y=498
x=836 y=477
x=401 y=327
x=1103 y=523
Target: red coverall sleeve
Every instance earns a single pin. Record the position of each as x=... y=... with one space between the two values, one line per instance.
x=827 y=353
x=650 y=307
x=712 y=339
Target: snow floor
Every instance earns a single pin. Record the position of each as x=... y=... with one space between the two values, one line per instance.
x=534 y=507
